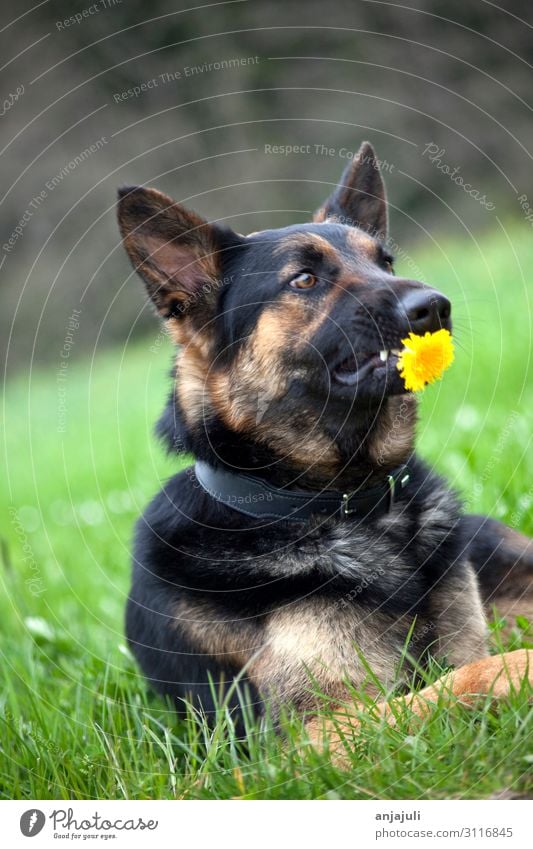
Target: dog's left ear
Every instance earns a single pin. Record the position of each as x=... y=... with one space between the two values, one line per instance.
x=360 y=199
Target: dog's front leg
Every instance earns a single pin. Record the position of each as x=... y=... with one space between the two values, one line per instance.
x=494 y=676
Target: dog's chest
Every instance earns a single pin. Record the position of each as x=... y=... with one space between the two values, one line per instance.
x=321 y=640
x=370 y=593
x=391 y=558
x=360 y=563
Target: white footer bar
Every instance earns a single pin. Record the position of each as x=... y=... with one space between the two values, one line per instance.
x=268 y=825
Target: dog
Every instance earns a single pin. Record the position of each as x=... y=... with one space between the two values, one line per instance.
x=308 y=543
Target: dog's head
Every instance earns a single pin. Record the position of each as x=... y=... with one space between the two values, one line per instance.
x=286 y=337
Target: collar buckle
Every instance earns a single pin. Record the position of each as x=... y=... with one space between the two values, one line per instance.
x=400 y=479
x=392 y=489
x=345 y=503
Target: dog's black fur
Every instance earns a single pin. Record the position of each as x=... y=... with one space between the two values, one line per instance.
x=276 y=374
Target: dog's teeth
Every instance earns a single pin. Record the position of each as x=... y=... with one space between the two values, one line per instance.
x=383 y=355
x=395 y=351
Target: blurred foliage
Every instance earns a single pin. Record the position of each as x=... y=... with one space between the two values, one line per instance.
x=451 y=73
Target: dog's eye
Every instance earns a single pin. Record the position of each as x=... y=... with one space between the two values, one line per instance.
x=388 y=264
x=303 y=280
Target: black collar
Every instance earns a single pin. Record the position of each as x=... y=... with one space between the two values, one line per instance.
x=257 y=498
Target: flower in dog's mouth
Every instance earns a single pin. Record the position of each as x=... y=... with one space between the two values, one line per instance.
x=423 y=359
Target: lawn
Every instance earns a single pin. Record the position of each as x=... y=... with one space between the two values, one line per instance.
x=77 y=720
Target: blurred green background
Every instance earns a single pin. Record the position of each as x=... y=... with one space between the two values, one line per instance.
x=86 y=363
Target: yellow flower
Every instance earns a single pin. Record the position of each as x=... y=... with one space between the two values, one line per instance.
x=424 y=358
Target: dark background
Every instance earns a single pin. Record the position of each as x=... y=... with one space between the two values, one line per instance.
x=454 y=74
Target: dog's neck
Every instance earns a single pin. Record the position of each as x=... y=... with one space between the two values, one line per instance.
x=362 y=452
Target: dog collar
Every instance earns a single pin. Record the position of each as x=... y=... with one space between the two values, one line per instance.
x=255 y=497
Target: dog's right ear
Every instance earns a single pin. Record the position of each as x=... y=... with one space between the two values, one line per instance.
x=175 y=251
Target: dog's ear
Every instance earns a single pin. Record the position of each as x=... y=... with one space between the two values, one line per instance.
x=175 y=251
x=360 y=199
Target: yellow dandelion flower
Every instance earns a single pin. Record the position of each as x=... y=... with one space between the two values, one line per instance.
x=423 y=359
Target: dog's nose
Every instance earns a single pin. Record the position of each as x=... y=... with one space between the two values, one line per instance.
x=426 y=310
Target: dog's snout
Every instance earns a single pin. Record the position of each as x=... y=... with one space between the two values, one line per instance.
x=426 y=310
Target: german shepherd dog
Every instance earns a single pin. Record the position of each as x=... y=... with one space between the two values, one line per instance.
x=308 y=535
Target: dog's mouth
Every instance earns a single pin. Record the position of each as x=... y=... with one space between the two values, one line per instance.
x=362 y=364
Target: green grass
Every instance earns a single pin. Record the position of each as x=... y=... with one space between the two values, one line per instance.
x=77 y=720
